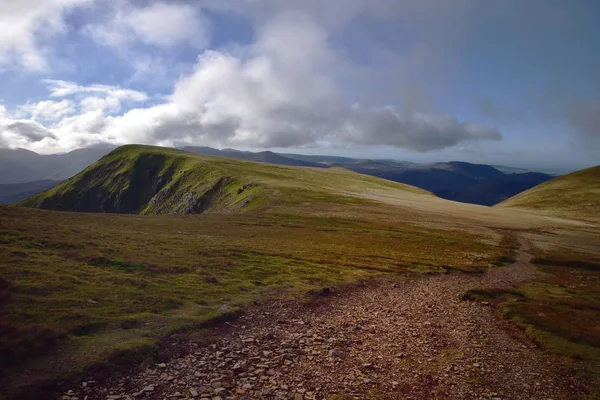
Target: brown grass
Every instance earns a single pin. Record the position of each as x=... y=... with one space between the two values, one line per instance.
x=77 y=289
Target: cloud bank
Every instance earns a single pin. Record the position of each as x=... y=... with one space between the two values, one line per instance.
x=161 y=24
x=21 y=23
x=281 y=90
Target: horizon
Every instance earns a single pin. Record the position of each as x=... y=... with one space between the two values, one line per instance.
x=512 y=84
x=111 y=147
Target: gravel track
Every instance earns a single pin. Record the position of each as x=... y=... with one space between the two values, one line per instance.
x=408 y=338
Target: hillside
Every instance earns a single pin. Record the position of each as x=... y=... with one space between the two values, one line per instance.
x=575 y=194
x=458 y=181
x=155 y=180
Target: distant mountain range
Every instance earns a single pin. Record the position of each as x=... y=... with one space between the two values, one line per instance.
x=14 y=192
x=458 y=181
x=264 y=156
x=20 y=165
x=23 y=172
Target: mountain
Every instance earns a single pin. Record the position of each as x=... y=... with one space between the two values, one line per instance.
x=512 y=170
x=455 y=180
x=20 y=165
x=263 y=156
x=493 y=191
x=156 y=180
x=458 y=181
x=320 y=159
x=14 y=192
x=574 y=194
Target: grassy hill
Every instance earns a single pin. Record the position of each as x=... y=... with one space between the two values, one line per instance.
x=575 y=194
x=155 y=180
x=454 y=180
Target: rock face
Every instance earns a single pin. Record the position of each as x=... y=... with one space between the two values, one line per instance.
x=410 y=339
x=147 y=180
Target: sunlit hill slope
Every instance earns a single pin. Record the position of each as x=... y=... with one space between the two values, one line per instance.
x=155 y=180
x=575 y=194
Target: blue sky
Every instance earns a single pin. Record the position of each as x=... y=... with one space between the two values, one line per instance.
x=510 y=82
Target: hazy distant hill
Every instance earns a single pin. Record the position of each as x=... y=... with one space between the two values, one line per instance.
x=14 y=192
x=574 y=194
x=263 y=156
x=320 y=159
x=458 y=181
x=20 y=166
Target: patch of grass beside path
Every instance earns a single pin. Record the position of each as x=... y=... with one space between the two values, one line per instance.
x=78 y=290
x=560 y=311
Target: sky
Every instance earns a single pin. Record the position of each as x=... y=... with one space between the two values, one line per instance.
x=512 y=82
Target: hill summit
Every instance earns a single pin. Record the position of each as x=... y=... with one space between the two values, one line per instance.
x=149 y=180
x=155 y=180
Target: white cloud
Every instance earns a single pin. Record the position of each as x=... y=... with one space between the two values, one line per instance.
x=413 y=131
x=95 y=97
x=23 y=133
x=59 y=88
x=159 y=24
x=23 y=23
x=271 y=94
x=47 y=110
x=337 y=14
x=15 y=132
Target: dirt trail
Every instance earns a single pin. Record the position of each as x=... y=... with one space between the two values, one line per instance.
x=408 y=339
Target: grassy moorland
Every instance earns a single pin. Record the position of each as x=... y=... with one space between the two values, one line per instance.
x=559 y=310
x=76 y=289
x=576 y=195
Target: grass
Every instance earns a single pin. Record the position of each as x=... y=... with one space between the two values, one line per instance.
x=76 y=289
x=156 y=180
x=575 y=195
x=560 y=310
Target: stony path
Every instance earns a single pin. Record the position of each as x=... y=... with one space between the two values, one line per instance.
x=408 y=339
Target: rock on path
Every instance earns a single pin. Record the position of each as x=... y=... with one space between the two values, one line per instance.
x=409 y=339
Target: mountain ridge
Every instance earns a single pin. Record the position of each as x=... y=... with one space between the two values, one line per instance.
x=455 y=180
x=156 y=180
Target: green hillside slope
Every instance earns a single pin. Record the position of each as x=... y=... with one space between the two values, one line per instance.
x=155 y=180
x=573 y=194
